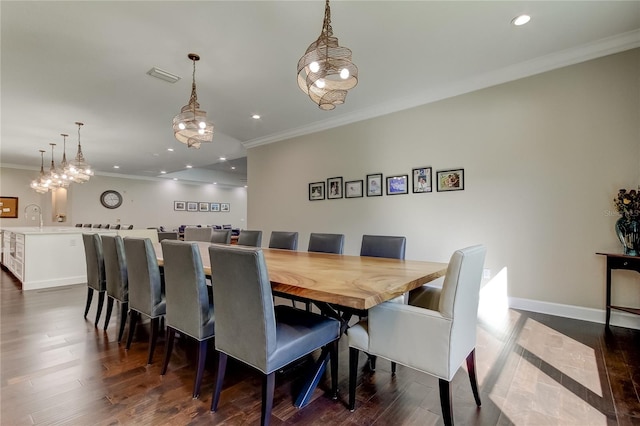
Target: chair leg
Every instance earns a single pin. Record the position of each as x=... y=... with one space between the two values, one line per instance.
x=222 y=366
x=353 y=374
x=393 y=368
x=268 y=386
x=372 y=362
x=124 y=308
x=100 y=303
x=153 y=338
x=333 y=354
x=202 y=356
x=133 y=319
x=168 y=349
x=107 y=317
x=89 y=298
x=471 y=368
x=445 y=402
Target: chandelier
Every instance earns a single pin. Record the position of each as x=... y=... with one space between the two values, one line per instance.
x=64 y=165
x=40 y=184
x=54 y=177
x=191 y=126
x=326 y=72
x=78 y=170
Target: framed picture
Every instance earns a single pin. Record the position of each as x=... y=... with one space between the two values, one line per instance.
x=316 y=191
x=179 y=205
x=225 y=207
x=203 y=207
x=9 y=207
x=192 y=206
x=397 y=185
x=374 y=185
x=353 y=189
x=214 y=207
x=450 y=180
x=422 y=180
x=334 y=188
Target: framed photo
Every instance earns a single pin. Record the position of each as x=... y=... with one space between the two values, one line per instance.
x=179 y=205
x=450 y=180
x=225 y=207
x=203 y=207
x=334 y=188
x=397 y=185
x=374 y=185
x=316 y=191
x=9 y=207
x=214 y=207
x=422 y=180
x=192 y=206
x=353 y=189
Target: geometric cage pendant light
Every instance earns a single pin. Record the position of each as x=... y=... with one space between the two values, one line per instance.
x=191 y=126
x=78 y=170
x=325 y=72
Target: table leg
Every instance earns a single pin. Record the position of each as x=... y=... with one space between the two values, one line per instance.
x=608 y=294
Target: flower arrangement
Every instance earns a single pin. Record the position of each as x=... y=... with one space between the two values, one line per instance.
x=628 y=204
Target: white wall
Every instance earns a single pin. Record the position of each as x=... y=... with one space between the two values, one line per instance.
x=543 y=158
x=146 y=203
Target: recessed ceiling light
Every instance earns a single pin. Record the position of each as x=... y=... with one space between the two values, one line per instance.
x=215 y=183
x=233 y=167
x=116 y=167
x=170 y=149
x=246 y=186
x=162 y=172
x=520 y=20
x=175 y=178
x=189 y=166
x=163 y=75
x=223 y=158
x=256 y=116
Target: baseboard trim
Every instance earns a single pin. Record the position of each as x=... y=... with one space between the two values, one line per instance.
x=618 y=318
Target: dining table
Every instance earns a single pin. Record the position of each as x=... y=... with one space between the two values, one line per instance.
x=340 y=286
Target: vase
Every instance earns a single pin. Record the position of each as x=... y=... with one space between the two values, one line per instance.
x=628 y=231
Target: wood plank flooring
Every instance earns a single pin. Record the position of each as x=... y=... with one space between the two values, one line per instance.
x=533 y=369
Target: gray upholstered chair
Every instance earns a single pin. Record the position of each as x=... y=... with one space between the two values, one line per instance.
x=95 y=272
x=220 y=236
x=326 y=243
x=383 y=246
x=435 y=333
x=167 y=235
x=97 y=226
x=86 y=225
x=250 y=238
x=78 y=225
x=191 y=233
x=115 y=266
x=283 y=240
x=250 y=329
x=146 y=288
x=189 y=310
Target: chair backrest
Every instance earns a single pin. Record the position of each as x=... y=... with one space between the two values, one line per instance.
x=244 y=304
x=146 y=294
x=198 y=234
x=115 y=226
x=78 y=225
x=185 y=288
x=115 y=267
x=95 y=261
x=250 y=238
x=98 y=225
x=220 y=236
x=107 y=226
x=167 y=236
x=459 y=299
x=326 y=243
x=87 y=225
x=283 y=240
x=383 y=246
x=130 y=227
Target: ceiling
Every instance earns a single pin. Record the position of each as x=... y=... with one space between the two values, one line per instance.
x=64 y=62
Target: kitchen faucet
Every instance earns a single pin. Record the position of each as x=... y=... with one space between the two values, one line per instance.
x=36 y=209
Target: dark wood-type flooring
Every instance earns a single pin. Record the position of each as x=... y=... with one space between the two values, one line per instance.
x=533 y=369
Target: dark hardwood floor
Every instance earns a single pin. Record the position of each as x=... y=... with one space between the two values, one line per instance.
x=533 y=369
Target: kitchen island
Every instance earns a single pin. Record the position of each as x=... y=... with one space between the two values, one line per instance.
x=50 y=256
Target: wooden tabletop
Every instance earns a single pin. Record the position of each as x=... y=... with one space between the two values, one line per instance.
x=353 y=281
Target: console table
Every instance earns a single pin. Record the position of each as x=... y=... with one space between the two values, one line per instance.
x=619 y=261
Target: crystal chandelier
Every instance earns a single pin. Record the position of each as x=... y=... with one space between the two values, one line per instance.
x=191 y=126
x=326 y=72
x=64 y=165
x=53 y=176
x=40 y=184
x=79 y=170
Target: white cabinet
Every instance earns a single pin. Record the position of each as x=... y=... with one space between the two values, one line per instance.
x=13 y=253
